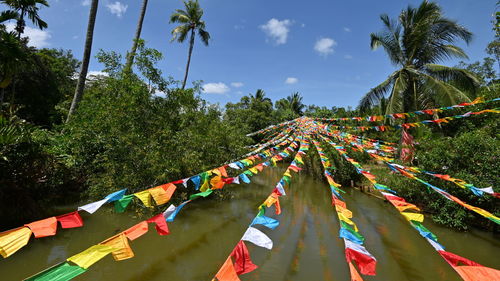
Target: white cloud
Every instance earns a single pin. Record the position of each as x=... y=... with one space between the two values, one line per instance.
x=303 y=25
x=291 y=80
x=37 y=38
x=117 y=8
x=324 y=46
x=215 y=88
x=347 y=57
x=86 y=3
x=94 y=74
x=347 y=29
x=237 y=84
x=277 y=30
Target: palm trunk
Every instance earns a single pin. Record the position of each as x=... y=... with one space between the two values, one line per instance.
x=131 y=55
x=191 y=44
x=86 y=59
x=20 y=24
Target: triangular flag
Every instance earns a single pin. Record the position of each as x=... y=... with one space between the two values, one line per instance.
x=258 y=238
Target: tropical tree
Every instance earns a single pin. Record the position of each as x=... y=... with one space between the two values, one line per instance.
x=11 y=52
x=26 y=8
x=415 y=42
x=292 y=103
x=80 y=85
x=190 y=23
x=131 y=55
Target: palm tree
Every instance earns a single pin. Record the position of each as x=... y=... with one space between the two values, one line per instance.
x=415 y=42
x=131 y=55
x=190 y=20
x=86 y=59
x=26 y=8
x=260 y=97
x=295 y=102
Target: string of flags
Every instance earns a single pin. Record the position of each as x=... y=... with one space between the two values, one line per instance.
x=242 y=264
x=293 y=135
x=400 y=169
x=404 y=115
x=13 y=240
x=467 y=269
x=382 y=155
x=118 y=245
x=384 y=128
x=355 y=252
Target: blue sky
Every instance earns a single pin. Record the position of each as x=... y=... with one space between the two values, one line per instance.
x=319 y=48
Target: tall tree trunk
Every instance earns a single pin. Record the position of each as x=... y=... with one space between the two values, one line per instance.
x=20 y=24
x=86 y=59
x=191 y=44
x=131 y=55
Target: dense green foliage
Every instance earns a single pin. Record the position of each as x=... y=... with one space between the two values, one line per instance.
x=138 y=130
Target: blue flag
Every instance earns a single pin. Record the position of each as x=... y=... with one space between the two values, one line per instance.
x=196 y=180
x=345 y=233
x=116 y=195
x=265 y=221
x=177 y=210
x=244 y=178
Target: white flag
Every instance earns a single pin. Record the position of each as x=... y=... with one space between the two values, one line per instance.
x=169 y=211
x=258 y=238
x=234 y=166
x=488 y=190
x=92 y=207
x=357 y=248
x=435 y=244
x=236 y=180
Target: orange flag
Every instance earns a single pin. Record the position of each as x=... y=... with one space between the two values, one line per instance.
x=119 y=242
x=137 y=230
x=354 y=273
x=43 y=228
x=227 y=272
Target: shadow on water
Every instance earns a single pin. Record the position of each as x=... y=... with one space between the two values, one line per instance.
x=306 y=243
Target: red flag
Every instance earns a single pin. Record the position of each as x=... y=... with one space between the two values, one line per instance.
x=161 y=224
x=243 y=264
x=365 y=263
x=455 y=260
x=70 y=220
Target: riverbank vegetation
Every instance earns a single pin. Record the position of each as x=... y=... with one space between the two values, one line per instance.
x=136 y=126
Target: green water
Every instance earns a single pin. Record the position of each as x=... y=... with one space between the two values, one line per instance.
x=306 y=244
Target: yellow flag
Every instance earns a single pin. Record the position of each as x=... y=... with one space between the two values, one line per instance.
x=92 y=255
x=120 y=242
x=145 y=197
x=413 y=216
x=160 y=195
x=344 y=211
x=205 y=186
x=407 y=206
x=270 y=201
x=347 y=220
x=13 y=240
